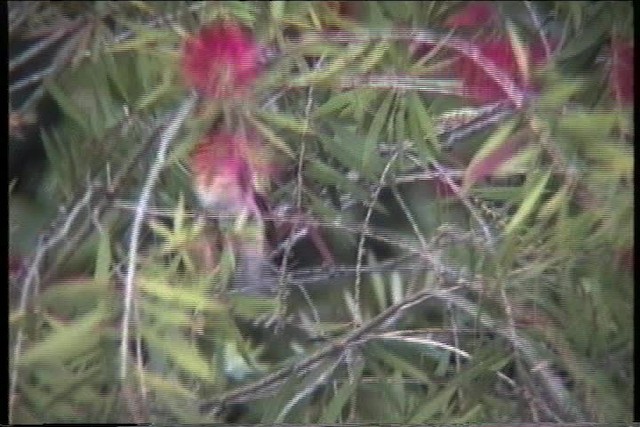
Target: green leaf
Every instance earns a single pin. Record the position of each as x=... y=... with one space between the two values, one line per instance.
x=400 y=121
x=331 y=414
x=69 y=342
x=372 y=139
x=496 y=140
x=160 y=229
x=165 y=386
x=249 y=307
x=184 y=297
x=67 y=106
x=73 y=299
x=145 y=37
x=347 y=147
x=374 y=57
x=304 y=388
x=336 y=103
x=277 y=9
x=557 y=95
x=433 y=406
x=183 y=353
x=421 y=127
x=375 y=15
x=588 y=37
x=473 y=415
x=103 y=259
x=272 y=137
x=396 y=362
x=520 y=51
x=337 y=66
x=286 y=121
x=162 y=315
x=555 y=203
x=523 y=161
x=529 y=203
x=325 y=174
x=156 y=94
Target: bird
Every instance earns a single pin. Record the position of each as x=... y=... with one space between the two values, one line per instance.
x=226 y=167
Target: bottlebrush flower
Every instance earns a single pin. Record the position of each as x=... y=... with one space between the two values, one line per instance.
x=621 y=76
x=479 y=86
x=222 y=61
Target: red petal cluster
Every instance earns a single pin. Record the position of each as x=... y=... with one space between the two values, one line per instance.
x=223 y=171
x=479 y=86
x=474 y=14
x=222 y=61
x=621 y=76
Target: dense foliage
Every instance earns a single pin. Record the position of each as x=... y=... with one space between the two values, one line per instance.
x=321 y=212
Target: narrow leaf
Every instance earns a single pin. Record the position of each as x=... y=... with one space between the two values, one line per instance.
x=274 y=139
x=433 y=406
x=103 y=259
x=68 y=342
x=379 y=120
x=67 y=105
x=331 y=414
x=490 y=146
x=528 y=204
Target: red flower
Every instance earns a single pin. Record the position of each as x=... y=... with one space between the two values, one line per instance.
x=479 y=85
x=224 y=168
x=474 y=14
x=621 y=76
x=222 y=61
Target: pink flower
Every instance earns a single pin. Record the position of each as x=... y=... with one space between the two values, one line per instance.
x=479 y=86
x=222 y=61
x=621 y=76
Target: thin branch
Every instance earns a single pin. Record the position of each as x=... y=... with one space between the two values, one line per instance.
x=282 y=289
x=552 y=384
x=468 y=205
x=410 y=218
x=365 y=225
x=440 y=87
x=455 y=349
x=165 y=140
x=32 y=278
x=32 y=79
x=541 y=33
x=249 y=392
x=468 y=49
x=308 y=390
x=39 y=46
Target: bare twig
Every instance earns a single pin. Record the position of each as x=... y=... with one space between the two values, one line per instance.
x=536 y=22
x=468 y=205
x=552 y=384
x=33 y=277
x=249 y=392
x=309 y=389
x=165 y=141
x=39 y=47
x=282 y=290
x=468 y=49
x=439 y=86
x=365 y=225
